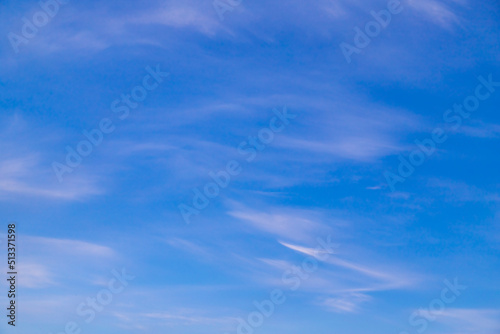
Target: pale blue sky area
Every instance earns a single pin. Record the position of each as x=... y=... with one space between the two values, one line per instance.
x=206 y=149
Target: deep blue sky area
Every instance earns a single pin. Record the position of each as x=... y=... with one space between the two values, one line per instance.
x=241 y=167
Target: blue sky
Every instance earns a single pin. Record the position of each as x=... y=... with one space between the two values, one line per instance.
x=322 y=175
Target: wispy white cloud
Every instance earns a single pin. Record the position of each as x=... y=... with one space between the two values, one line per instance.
x=100 y=29
x=480 y=130
x=57 y=262
x=181 y=15
x=306 y=250
x=192 y=248
x=359 y=133
x=296 y=226
x=344 y=284
x=25 y=170
x=67 y=246
x=34 y=275
x=28 y=176
x=385 y=277
x=470 y=321
x=189 y=319
x=348 y=303
x=457 y=191
x=436 y=12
